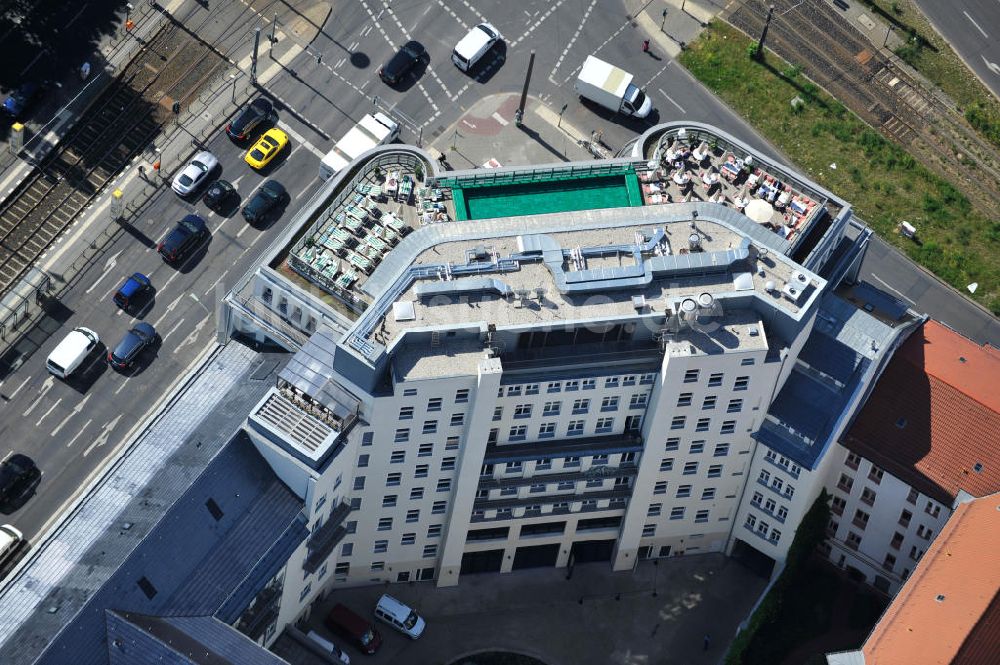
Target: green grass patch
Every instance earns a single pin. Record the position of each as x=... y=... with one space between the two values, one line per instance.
x=883 y=182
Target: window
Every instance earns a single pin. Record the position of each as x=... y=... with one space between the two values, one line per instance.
x=572 y=461
x=537 y=488
x=543 y=464
x=775 y=536
x=715 y=471
x=757 y=498
x=430 y=427
x=451 y=443
x=638 y=401
x=439 y=507
x=701 y=516
x=566 y=485
x=690 y=376
x=750 y=522
x=916 y=553
x=845 y=483
x=410 y=392
x=728 y=427
x=581 y=406
x=762 y=527
x=385 y=524
x=518 y=433
x=551 y=408
x=402 y=435
x=572 y=385
x=461 y=395
x=408 y=539
x=684 y=399
x=702 y=424
x=837 y=505
x=735 y=406
x=889 y=562
x=912 y=497
x=522 y=411
x=531 y=389
x=648 y=530
x=389 y=501
x=683 y=491
x=677 y=422
x=741 y=383
x=406 y=413
x=425 y=450
x=853 y=540
x=628 y=380
x=302 y=596
x=853 y=460
x=777 y=484
x=690 y=468
x=381 y=546
x=397 y=457
x=363 y=461
x=924 y=532
x=673 y=443
x=434 y=404
x=747 y=361
x=448 y=464
x=604 y=425
x=589 y=384
x=667 y=464
x=575 y=428
x=708 y=493
x=860 y=519
x=868 y=496
x=611 y=382
x=457 y=419
x=932 y=509
x=660 y=487
x=789 y=491
x=493 y=435
x=367 y=438
x=434 y=531
x=654 y=510
x=905 y=517
x=708 y=403
x=359 y=482
x=416 y=493
x=513 y=391
x=647 y=379
x=897 y=540
x=677 y=513
x=875 y=474
x=721 y=450
x=697 y=447
x=514 y=467
x=764 y=477
x=377 y=566
x=610 y=403
x=412 y=515
x=430 y=551
x=599 y=460
x=715 y=380
x=553 y=387
x=421 y=471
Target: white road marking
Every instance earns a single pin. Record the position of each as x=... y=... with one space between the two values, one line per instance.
x=76 y=16
x=85 y=426
x=499 y=118
x=973 y=22
x=306 y=188
x=108 y=267
x=102 y=438
x=18 y=389
x=46 y=414
x=46 y=387
x=170 y=308
x=193 y=337
x=656 y=75
x=122 y=386
x=300 y=140
x=537 y=23
x=209 y=290
x=33 y=61
x=76 y=409
x=993 y=67
x=886 y=285
x=671 y=100
x=170 y=332
x=569 y=44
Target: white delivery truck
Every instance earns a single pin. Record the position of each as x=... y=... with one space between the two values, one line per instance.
x=373 y=130
x=612 y=88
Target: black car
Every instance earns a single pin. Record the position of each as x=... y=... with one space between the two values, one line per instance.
x=258 y=111
x=219 y=195
x=405 y=59
x=270 y=195
x=17 y=476
x=188 y=234
x=135 y=340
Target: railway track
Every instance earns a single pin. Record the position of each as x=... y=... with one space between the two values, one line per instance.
x=840 y=59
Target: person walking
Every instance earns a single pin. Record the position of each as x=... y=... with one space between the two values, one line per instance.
x=645 y=46
x=707 y=641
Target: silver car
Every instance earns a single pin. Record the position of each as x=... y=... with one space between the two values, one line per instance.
x=195 y=173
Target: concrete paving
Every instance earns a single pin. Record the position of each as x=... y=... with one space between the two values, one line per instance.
x=658 y=613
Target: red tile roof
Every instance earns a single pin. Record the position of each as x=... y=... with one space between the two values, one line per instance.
x=934 y=415
x=949 y=609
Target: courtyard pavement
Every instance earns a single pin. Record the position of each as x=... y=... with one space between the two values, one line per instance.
x=657 y=614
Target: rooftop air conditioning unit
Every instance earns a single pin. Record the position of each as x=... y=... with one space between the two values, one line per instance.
x=800 y=279
x=792 y=291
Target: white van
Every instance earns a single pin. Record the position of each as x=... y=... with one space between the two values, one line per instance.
x=399 y=616
x=474 y=46
x=9 y=539
x=72 y=351
x=329 y=647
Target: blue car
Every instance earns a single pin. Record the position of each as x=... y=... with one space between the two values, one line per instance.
x=133 y=291
x=135 y=340
x=20 y=99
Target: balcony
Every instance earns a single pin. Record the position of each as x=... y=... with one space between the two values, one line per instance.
x=326 y=538
x=626 y=442
x=499 y=504
x=626 y=470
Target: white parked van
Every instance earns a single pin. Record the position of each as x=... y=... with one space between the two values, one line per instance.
x=329 y=647
x=474 y=46
x=399 y=616
x=72 y=351
x=9 y=539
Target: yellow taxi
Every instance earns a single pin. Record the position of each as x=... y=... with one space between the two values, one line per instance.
x=267 y=146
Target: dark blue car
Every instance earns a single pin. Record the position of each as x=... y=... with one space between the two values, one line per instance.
x=188 y=234
x=133 y=291
x=20 y=99
x=135 y=340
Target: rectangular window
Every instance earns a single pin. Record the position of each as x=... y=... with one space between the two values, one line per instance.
x=406 y=413
x=690 y=376
x=451 y=443
x=889 y=562
x=553 y=387
x=589 y=384
x=363 y=461
x=701 y=516
x=628 y=380
x=514 y=391
x=747 y=361
x=853 y=540
x=412 y=516
x=728 y=427
x=868 y=496
x=660 y=487
x=537 y=488
x=897 y=541
x=381 y=546
x=518 y=433
x=572 y=385
x=599 y=460
x=764 y=477
x=367 y=438
x=389 y=501
x=610 y=403
x=434 y=531
x=378 y=566
x=721 y=450
x=677 y=422
x=715 y=471
x=457 y=419
x=393 y=479
x=421 y=471
x=697 y=447
x=408 y=539
x=708 y=493
x=837 y=505
x=514 y=467
x=654 y=510
x=397 y=457
x=683 y=491
x=575 y=428
x=581 y=406
x=430 y=551
x=565 y=485
x=497 y=413
x=306 y=590
x=439 y=507
x=486 y=471
x=522 y=411
x=853 y=460
x=690 y=468
x=875 y=474
x=430 y=427
x=572 y=461
x=648 y=530
x=416 y=493
x=531 y=389
x=402 y=435
x=346 y=549
x=667 y=464
x=905 y=517
x=611 y=382
x=461 y=395
x=551 y=408
x=385 y=524
x=543 y=464
x=860 y=519
x=741 y=383
x=775 y=536
x=638 y=400
x=359 y=482
x=425 y=450
x=677 y=513
x=546 y=430
x=444 y=485
x=708 y=403
x=448 y=464
x=702 y=424
x=434 y=404
x=912 y=496
x=409 y=392
x=604 y=425
x=845 y=483
x=735 y=406
x=715 y=380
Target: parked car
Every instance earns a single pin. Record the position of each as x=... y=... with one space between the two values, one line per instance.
x=360 y=631
x=70 y=353
x=195 y=174
x=399 y=615
x=135 y=340
x=10 y=538
x=399 y=65
x=256 y=112
x=188 y=234
x=17 y=476
x=219 y=195
x=270 y=195
x=266 y=148
x=21 y=99
x=133 y=292
x=329 y=647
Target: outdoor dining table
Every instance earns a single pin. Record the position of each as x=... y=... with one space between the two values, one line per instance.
x=681 y=178
x=392 y=183
x=798 y=207
x=731 y=168
x=405 y=188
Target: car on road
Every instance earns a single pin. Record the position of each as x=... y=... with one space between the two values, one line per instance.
x=17 y=477
x=70 y=353
x=475 y=45
x=399 y=65
x=188 y=234
x=135 y=340
x=255 y=113
x=10 y=538
x=219 y=195
x=133 y=292
x=195 y=173
x=270 y=195
x=21 y=99
x=266 y=148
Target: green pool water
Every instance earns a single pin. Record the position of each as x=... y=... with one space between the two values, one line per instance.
x=533 y=198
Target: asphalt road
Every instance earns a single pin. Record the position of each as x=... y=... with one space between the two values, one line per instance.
x=972 y=28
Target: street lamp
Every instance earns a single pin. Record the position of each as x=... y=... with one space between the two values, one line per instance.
x=128 y=10
x=233 y=77
x=889 y=28
x=763 y=33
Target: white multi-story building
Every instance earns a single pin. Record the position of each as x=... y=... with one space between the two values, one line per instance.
x=925 y=441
